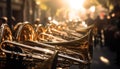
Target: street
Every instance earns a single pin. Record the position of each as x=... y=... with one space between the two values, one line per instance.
x=103 y=58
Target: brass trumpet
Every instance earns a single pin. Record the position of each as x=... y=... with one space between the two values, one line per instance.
x=32 y=52
x=20 y=52
x=27 y=29
x=13 y=56
x=39 y=49
x=66 y=49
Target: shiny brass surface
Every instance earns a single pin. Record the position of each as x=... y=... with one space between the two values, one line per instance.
x=42 y=42
x=25 y=32
x=5 y=33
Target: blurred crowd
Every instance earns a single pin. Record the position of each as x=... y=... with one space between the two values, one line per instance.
x=107 y=31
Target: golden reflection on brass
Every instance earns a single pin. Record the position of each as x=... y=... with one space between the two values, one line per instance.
x=25 y=32
x=6 y=33
x=73 y=49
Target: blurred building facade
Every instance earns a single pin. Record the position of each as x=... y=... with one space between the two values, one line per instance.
x=16 y=9
x=22 y=10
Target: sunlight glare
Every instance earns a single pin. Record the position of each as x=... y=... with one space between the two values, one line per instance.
x=76 y=4
x=92 y=9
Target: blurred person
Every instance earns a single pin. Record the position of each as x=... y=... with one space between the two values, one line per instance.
x=100 y=23
x=37 y=22
x=3 y=20
x=89 y=20
x=113 y=33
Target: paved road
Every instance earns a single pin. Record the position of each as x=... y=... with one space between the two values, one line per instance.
x=103 y=58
